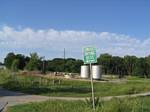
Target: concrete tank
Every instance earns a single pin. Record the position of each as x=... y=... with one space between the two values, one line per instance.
x=96 y=72
x=85 y=71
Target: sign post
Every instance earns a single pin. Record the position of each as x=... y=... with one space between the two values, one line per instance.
x=89 y=58
x=92 y=87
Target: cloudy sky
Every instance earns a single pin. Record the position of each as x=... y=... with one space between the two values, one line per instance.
x=48 y=26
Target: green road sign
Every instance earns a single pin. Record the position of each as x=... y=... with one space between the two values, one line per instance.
x=90 y=55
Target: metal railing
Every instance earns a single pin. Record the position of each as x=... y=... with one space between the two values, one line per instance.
x=3 y=106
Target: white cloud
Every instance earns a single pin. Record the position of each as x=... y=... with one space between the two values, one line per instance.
x=54 y=41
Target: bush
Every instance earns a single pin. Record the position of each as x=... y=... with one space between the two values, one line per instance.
x=4 y=76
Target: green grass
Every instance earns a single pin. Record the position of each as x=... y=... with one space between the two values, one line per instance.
x=74 y=88
x=114 y=105
x=4 y=76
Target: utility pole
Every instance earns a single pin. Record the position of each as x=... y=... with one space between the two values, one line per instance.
x=64 y=58
x=43 y=67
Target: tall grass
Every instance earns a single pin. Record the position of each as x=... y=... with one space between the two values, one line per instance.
x=115 y=105
x=5 y=75
x=54 y=87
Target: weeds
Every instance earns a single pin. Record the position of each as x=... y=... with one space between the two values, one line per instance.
x=98 y=102
x=114 y=105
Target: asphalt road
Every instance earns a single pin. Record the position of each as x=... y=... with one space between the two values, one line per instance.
x=4 y=93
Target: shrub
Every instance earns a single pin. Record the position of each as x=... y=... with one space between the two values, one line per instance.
x=4 y=76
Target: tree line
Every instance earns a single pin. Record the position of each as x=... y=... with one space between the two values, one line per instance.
x=33 y=62
x=127 y=65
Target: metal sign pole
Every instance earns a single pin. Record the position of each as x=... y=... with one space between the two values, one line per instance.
x=89 y=58
x=92 y=87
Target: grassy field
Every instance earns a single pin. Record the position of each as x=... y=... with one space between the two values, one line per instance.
x=115 y=105
x=52 y=87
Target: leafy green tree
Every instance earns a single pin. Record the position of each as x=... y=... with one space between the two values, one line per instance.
x=73 y=65
x=148 y=60
x=14 y=66
x=130 y=64
x=118 y=66
x=78 y=64
x=22 y=62
x=142 y=68
x=33 y=63
x=9 y=60
x=105 y=61
x=69 y=65
x=58 y=64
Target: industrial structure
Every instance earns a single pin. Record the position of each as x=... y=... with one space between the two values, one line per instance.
x=96 y=72
x=85 y=72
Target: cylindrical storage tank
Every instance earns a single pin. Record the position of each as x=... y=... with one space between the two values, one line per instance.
x=96 y=72
x=85 y=71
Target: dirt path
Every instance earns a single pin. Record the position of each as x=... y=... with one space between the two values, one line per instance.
x=15 y=98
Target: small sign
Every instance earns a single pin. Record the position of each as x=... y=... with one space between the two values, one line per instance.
x=90 y=55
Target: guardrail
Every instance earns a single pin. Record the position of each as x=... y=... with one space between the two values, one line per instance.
x=3 y=106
